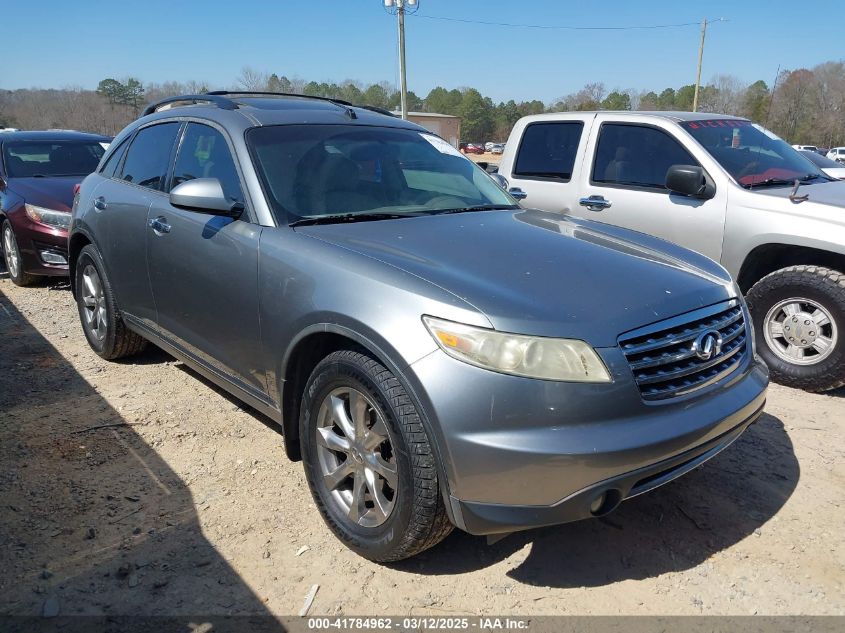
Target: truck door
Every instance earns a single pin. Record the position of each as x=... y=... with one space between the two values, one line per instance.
x=548 y=160
x=623 y=183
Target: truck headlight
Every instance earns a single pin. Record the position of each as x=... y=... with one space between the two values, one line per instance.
x=50 y=217
x=530 y=356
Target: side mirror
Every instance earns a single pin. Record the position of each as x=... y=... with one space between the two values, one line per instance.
x=499 y=180
x=204 y=195
x=689 y=180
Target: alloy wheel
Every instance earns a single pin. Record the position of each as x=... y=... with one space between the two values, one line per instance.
x=94 y=302
x=356 y=457
x=10 y=250
x=800 y=331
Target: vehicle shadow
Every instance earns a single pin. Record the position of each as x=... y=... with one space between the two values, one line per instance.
x=93 y=521
x=673 y=528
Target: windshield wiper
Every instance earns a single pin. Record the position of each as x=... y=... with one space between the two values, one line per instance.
x=339 y=218
x=769 y=181
x=478 y=207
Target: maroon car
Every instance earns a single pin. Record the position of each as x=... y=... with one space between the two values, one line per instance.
x=473 y=148
x=38 y=174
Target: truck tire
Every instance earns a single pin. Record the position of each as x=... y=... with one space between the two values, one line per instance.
x=799 y=319
x=368 y=459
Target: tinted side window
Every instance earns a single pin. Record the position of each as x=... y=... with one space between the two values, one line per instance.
x=149 y=156
x=205 y=154
x=113 y=161
x=637 y=155
x=548 y=150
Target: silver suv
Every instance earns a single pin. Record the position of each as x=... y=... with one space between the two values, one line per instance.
x=434 y=354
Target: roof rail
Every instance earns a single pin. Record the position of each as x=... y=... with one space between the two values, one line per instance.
x=377 y=109
x=302 y=96
x=220 y=101
x=220 y=98
x=277 y=94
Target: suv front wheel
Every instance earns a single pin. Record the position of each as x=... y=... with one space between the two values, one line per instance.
x=799 y=319
x=368 y=459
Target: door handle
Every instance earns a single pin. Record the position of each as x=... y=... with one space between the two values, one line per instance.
x=517 y=193
x=100 y=203
x=595 y=203
x=160 y=225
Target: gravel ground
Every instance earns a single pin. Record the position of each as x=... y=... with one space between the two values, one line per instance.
x=139 y=488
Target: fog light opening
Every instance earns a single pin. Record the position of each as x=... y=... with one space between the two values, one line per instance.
x=605 y=502
x=48 y=257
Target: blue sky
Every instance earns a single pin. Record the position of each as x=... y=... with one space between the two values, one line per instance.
x=61 y=43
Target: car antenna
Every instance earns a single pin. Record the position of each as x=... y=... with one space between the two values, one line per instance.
x=794 y=195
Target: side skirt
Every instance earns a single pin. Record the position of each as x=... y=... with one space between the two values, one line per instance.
x=254 y=398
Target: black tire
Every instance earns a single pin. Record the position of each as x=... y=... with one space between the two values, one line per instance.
x=822 y=286
x=19 y=277
x=418 y=519
x=118 y=340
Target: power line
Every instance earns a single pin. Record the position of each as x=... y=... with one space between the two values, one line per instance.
x=566 y=28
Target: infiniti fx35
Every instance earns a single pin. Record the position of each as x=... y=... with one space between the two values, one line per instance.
x=434 y=354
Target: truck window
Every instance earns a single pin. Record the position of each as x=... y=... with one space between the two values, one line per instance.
x=548 y=150
x=636 y=155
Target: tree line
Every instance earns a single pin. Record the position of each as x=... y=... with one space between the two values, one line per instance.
x=806 y=105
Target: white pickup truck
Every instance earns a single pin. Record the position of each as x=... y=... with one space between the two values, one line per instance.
x=716 y=184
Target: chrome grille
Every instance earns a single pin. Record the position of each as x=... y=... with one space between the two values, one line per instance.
x=666 y=361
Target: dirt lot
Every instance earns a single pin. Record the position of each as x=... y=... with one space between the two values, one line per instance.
x=486 y=157
x=137 y=487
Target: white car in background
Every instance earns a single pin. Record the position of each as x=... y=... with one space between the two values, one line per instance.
x=830 y=167
x=809 y=148
x=837 y=154
x=498 y=148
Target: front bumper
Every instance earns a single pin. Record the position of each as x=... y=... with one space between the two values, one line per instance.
x=41 y=247
x=491 y=518
x=520 y=453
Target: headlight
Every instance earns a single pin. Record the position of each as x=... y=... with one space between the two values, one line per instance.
x=529 y=356
x=50 y=217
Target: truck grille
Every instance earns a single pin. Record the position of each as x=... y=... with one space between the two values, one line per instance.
x=670 y=358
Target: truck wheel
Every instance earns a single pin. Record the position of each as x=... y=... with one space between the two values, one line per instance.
x=368 y=459
x=101 y=321
x=12 y=255
x=799 y=319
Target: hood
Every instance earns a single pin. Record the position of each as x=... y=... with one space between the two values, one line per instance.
x=830 y=194
x=540 y=273
x=51 y=192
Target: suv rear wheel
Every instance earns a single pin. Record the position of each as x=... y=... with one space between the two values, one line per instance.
x=101 y=321
x=799 y=319
x=368 y=459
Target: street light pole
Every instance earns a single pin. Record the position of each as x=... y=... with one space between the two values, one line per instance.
x=403 y=84
x=400 y=6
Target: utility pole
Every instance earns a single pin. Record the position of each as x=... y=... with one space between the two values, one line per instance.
x=399 y=6
x=700 y=57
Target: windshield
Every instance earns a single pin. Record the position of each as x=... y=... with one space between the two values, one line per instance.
x=311 y=171
x=821 y=161
x=750 y=153
x=37 y=159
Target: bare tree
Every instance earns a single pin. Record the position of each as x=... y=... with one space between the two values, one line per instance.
x=251 y=79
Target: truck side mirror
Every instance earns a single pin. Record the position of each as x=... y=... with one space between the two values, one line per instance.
x=689 y=180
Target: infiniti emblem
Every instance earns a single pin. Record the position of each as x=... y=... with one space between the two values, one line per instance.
x=708 y=344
